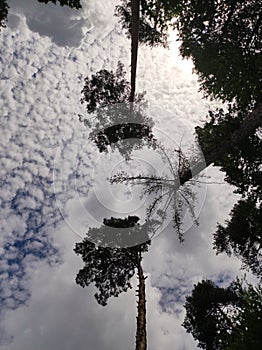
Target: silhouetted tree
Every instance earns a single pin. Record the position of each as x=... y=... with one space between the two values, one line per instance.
x=219 y=317
x=112 y=254
x=135 y=136
x=107 y=87
x=242 y=235
x=242 y=165
x=224 y=40
x=242 y=159
x=206 y=317
x=247 y=333
x=112 y=119
x=154 y=20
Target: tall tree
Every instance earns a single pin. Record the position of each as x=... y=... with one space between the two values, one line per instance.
x=219 y=318
x=112 y=254
x=135 y=25
x=146 y=22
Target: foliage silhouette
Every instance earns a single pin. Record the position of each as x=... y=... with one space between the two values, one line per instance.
x=242 y=165
x=242 y=235
x=219 y=317
x=154 y=20
x=224 y=39
x=242 y=162
x=106 y=88
x=113 y=120
x=110 y=260
x=110 y=265
x=74 y=4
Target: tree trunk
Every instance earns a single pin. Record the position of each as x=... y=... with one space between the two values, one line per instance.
x=141 y=338
x=246 y=129
x=135 y=5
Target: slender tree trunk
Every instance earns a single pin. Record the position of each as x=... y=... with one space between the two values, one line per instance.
x=135 y=5
x=141 y=338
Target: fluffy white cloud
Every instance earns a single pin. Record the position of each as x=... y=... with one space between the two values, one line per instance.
x=62 y=315
x=63 y=25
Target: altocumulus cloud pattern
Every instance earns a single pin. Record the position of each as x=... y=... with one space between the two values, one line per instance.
x=40 y=90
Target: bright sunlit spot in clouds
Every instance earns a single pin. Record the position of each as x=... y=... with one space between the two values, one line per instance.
x=185 y=64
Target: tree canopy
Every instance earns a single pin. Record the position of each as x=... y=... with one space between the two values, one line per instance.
x=224 y=40
x=242 y=164
x=107 y=87
x=247 y=332
x=108 y=263
x=242 y=235
x=114 y=121
x=155 y=17
x=219 y=318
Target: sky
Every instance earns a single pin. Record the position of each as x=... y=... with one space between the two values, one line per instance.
x=53 y=184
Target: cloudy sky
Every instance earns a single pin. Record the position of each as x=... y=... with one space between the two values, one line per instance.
x=53 y=184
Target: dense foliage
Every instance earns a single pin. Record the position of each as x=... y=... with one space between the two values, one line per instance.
x=113 y=120
x=242 y=235
x=106 y=88
x=108 y=264
x=242 y=164
x=224 y=40
x=219 y=318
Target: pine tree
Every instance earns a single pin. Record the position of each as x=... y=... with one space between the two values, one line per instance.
x=111 y=255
